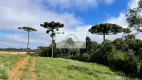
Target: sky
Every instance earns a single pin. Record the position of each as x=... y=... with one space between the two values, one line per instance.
x=76 y=15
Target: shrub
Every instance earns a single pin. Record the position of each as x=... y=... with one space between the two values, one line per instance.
x=123 y=61
x=97 y=57
x=130 y=66
x=76 y=54
x=44 y=51
x=115 y=56
x=85 y=57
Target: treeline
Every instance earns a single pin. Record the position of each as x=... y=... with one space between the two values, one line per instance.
x=17 y=49
x=121 y=54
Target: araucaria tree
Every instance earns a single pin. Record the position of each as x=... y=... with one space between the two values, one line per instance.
x=51 y=27
x=28 y=29
x=105 y=29
x=134 y=17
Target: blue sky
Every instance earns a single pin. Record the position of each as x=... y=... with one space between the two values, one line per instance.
x=77 y=15
x=98 y=14
x=102 y=12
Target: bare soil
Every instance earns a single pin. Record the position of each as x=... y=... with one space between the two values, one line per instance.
x=15 y=71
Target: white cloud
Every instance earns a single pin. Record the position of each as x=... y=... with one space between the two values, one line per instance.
x=120 y=20
x=133 y=4
x=75 y=4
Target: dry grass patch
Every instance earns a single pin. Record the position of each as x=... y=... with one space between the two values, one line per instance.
x=11 y=52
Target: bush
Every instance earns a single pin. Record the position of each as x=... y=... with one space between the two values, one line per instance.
x=76 y=54
x=130 y=66
x=97 y=57
x=115 y=55
x=85 y=57
x=44 y=51
x=123 y=61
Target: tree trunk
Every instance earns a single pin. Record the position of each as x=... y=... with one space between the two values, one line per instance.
x=104 y=36
x=52 y=47
x=28 y=43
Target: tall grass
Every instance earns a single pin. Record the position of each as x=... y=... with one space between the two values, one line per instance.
x=7 y=61
x=64 y=69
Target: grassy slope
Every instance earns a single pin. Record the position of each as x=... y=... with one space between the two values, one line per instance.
x=7 y=61
x=63 y=69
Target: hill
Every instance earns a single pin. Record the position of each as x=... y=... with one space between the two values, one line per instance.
x=64 y=69
x=26 y=67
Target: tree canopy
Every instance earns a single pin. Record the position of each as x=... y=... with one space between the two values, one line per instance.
x=50 y=26
x=29 y=29
x=105 y=29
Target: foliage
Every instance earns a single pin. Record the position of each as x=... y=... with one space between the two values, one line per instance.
x=85 y=57
x=134 y=17
x=126 y=30
x=105 y=29
x=130 y=65
x=130 y=37
x=28 y=29
x=120 y=44
x=76 y=55
x=44 y=51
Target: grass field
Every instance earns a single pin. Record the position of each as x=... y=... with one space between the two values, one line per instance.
x=63 y=69
x=7 y=61
x=26 y=67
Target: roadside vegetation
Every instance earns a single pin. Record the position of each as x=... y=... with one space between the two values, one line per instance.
x=7 y=61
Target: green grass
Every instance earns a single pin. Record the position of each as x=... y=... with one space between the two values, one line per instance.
x=26 y=71
x=63 y=69
x=59 y=69
x=7 y=61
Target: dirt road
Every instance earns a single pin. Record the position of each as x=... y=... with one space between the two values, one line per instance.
x=16 y=72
